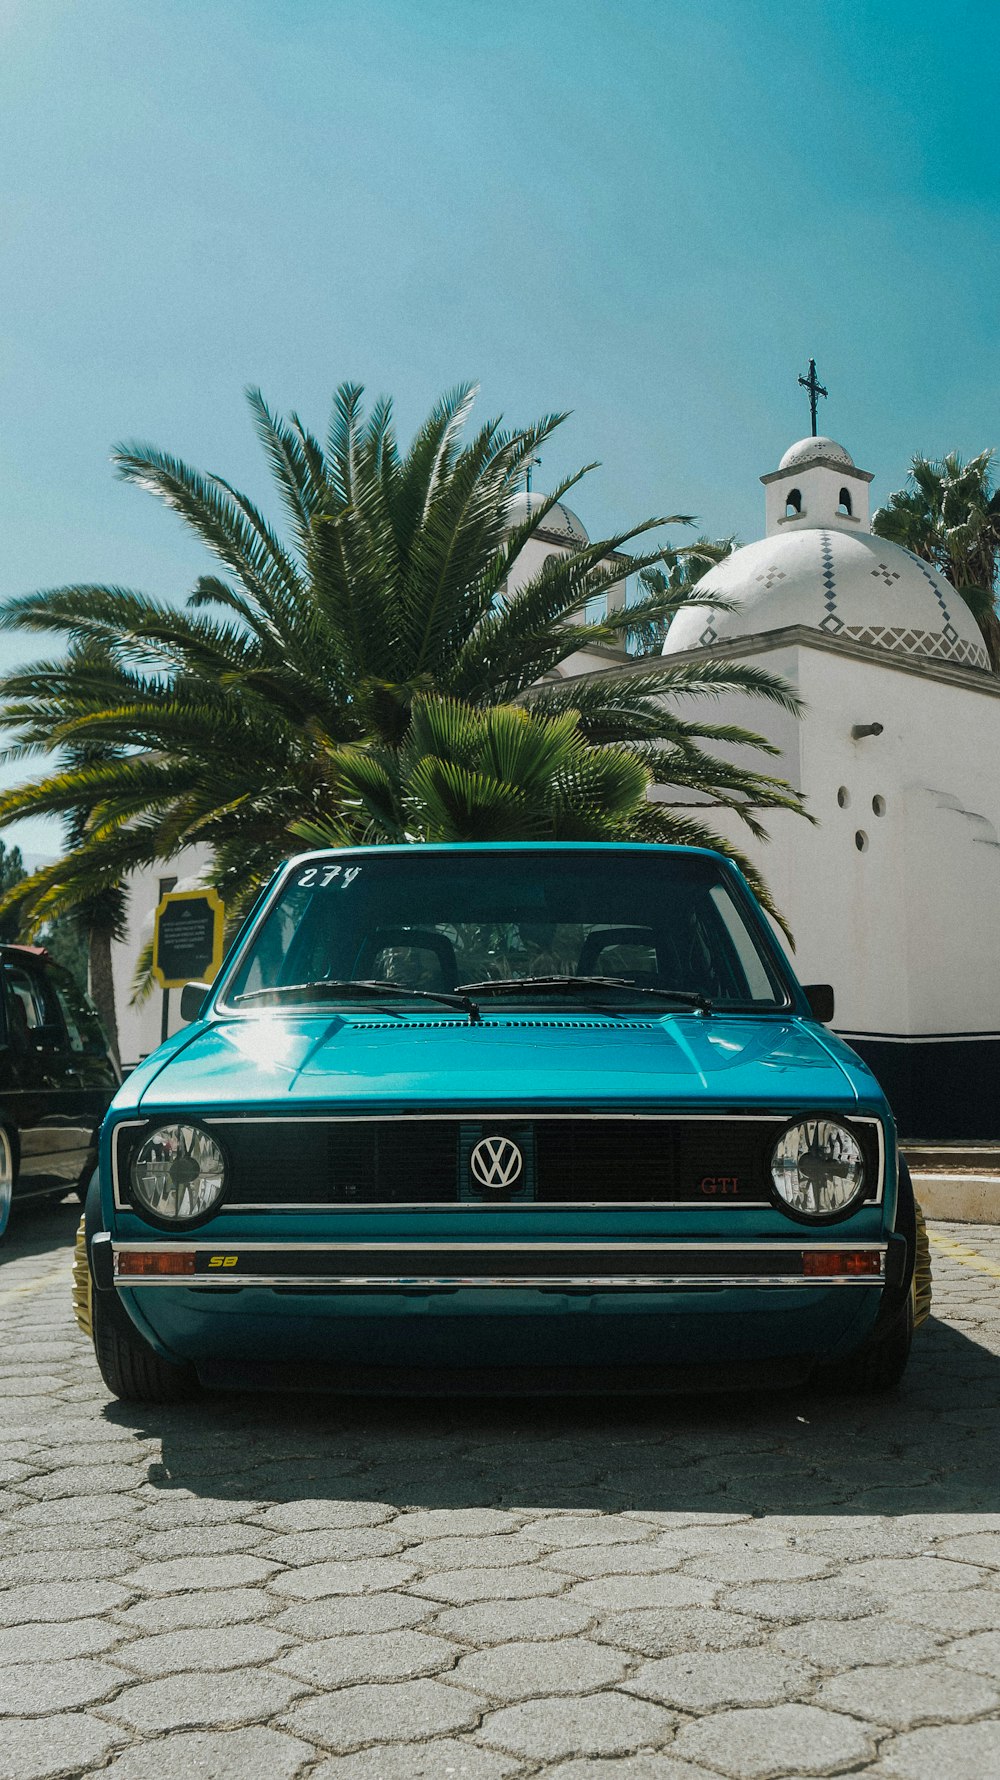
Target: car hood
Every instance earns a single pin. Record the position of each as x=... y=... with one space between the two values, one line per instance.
x=296 y=1060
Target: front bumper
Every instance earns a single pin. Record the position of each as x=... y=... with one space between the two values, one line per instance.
x=352 y=1267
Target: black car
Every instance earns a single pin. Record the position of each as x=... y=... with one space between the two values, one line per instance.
x=57 y=1076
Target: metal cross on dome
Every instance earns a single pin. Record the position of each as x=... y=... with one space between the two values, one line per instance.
x=815 y=388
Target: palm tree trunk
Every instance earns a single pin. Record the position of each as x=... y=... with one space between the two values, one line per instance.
x=102 y=985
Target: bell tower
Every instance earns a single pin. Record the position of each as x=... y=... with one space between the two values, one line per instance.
x=817 y=485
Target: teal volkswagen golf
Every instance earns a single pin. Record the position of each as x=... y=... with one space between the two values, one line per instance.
x=501 y=1117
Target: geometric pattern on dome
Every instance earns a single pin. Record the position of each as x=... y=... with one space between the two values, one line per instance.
x=932 y=582
x=771 y=577
x=830 y=623
x=888 y=575
x=917 y=642
x=709 y=634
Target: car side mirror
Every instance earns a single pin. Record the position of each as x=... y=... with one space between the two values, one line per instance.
x=193 y=999
x=820 y=999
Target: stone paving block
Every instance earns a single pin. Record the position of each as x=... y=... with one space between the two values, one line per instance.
x=334 y=1616
x=174 y=1575
x=398 y=1713
x=40 y=1748
x=602 y=1724
x=88 y=1565
x=27 y=1688
x=518 y=1671
x=907 y=1697
x=773 y=1565
x=775 y=1742
x=896 y=1576
x=251 y=1754
x=705 y=1680
x=489 y=1551
x=382 y=1656
x=827 y=1599
x=51 y=1642
x=333 y=1544
x=517 y=1583
x=445 y=1758
x=943 y=1752
x=189 y=1701
x=975 y=1548
x=624 y=1592
x=189 y=1542
x=509 y=1622
x=553 y=1530
x=663 y=1631
x=615 y=1560
x=956 y=1611
x=211 y=1647
x=318 y=1515
x=980 y=1653
x=52 y=1601
x=365 y=1576
x=848 y=1643
x=457 y=1523
x=207 y=1607
x=166 y=1508
x=83 y=1480
x=73 y=1511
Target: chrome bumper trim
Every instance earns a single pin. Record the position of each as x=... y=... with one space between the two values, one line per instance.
x=455 y=1282
x=217 y=1267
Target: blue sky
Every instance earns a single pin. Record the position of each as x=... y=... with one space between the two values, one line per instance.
x=649 y=212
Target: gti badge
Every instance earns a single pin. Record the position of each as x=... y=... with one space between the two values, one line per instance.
x=496 y=1162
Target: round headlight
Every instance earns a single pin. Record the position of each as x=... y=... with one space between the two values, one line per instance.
x=178 y=1172
x=817 y=1168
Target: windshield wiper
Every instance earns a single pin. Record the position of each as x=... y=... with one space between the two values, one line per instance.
x=511 y=985
x=365 y=988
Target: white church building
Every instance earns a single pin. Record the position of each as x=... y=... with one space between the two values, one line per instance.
x=893 y=895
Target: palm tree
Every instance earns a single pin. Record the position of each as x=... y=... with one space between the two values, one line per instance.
x=503 y=772
x=676 y=576
x=226 y=723
x=949 y=515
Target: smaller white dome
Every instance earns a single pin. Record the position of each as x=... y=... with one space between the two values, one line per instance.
x=807 y=451
x=560 y=521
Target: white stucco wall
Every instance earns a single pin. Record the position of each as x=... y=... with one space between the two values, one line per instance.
x=906 y=927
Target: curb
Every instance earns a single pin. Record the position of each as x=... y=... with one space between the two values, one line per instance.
x=959 y=1198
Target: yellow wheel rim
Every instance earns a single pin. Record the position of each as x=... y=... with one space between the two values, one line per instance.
x=82 y=1286
x=922 y=1273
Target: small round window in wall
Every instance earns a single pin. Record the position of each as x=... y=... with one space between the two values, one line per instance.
x=861 y=841
x=844 y=798
x=878 y=805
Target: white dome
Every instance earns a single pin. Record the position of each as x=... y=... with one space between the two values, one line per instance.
x=849 y=585
x=560 y=521
x=808 y=451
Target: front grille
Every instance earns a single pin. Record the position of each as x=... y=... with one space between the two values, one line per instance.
x=570 y=1160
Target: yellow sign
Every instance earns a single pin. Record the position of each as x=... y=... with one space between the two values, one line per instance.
x=187 y=937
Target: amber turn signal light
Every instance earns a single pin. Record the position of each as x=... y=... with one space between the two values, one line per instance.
x=817 y=1262
x=145 y=1262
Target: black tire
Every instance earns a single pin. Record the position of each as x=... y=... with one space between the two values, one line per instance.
x=131 y=1369
x=878 y=1367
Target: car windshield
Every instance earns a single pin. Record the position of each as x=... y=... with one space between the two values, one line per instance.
x=433 y=922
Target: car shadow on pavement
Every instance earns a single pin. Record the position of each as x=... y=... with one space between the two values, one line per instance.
x=931 y=1448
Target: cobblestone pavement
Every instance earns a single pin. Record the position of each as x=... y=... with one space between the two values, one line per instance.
x=262 y=1588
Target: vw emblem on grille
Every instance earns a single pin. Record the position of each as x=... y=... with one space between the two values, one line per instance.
x=496 y=1162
